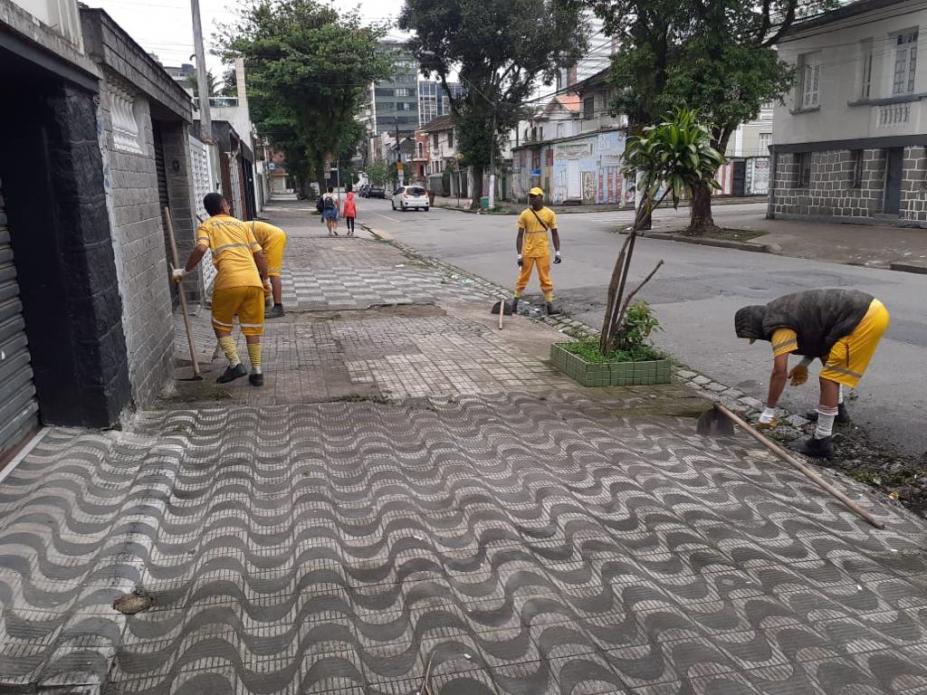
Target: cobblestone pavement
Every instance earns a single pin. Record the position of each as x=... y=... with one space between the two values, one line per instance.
x=524 y=545
x=414 y=492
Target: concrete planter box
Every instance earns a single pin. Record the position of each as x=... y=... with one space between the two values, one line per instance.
x=610 y=373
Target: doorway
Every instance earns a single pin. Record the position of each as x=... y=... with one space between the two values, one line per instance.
x=894 y=165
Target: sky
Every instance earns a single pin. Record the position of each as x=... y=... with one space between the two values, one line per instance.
x=164 y=27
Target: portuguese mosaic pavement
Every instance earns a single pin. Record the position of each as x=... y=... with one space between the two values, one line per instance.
x=500 y=533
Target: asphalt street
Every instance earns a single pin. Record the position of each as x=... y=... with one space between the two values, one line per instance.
x=695 y=296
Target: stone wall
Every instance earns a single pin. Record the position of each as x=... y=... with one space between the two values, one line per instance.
x=137 y=235
x=834 y=195
x=914 y=187
x=832 y=191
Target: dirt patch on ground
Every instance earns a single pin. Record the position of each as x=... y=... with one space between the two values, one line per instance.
x=903 y=478
x=726 y=234
x=410 y=311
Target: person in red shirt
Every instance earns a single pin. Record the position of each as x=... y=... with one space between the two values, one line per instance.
x=350 y=209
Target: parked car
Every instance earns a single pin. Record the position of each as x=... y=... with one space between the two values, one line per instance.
x=376 y=191
x=408 y=197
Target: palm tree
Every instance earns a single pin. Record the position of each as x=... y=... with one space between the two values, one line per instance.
x=671 y=157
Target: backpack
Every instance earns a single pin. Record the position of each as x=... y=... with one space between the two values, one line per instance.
x=318 y=205
x=329 y=203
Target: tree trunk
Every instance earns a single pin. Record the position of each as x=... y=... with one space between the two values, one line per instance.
x=701 y=220
x=475 y=186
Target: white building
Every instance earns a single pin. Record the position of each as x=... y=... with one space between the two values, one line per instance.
x=849 y=141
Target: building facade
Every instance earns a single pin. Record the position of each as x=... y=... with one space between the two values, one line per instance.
x=394 y=102
x=849 y=141
x=144 y=121
x=433 y=101
x=584 y=166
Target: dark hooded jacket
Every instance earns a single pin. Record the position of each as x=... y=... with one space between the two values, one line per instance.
x=819 y=317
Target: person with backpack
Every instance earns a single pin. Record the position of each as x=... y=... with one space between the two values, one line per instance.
x=350 y=209
x=534 y=249
x=330 y=211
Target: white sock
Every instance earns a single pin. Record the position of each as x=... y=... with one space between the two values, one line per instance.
x=840 y=394
x=825 y=426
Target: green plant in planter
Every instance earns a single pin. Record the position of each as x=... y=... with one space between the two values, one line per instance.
x=667 y=159
x=633 y=345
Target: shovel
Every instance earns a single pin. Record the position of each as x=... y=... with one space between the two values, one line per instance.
x=720 y=421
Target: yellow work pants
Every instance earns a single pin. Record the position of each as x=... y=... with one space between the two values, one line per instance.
x=543 y=265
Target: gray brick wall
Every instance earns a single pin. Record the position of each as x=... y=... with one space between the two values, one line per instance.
x=834 y=194
x=832 y=191
x=138 y=241
x=914 y=186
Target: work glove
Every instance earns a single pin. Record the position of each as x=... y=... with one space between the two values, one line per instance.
x=177 y=275
x=520 y=261
x=557 y=258
x=799 y=375
x=767 y=420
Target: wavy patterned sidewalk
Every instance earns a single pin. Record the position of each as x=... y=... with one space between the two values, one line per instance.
x=520 y=545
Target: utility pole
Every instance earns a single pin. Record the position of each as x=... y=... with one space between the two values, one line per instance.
x=201 y=78
x=492 y=161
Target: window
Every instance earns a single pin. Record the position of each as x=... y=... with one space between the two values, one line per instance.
x=589 y=108
x=403 y=92
x=560 y=130
x=434 y=140
x=450 y=138
x=905 y=62
x=421 y=150
x=810 y=81
x=765 y=142
x=856 y=168
x=804 y=169
x=865 y=81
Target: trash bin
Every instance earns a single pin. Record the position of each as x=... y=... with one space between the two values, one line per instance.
x=484 y=202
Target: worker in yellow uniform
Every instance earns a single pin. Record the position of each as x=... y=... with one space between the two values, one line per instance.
x=842 y=328
x=238 y=289
x=273 y=240
x=533 y=247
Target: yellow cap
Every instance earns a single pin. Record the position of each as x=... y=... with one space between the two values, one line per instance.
x=535 y=191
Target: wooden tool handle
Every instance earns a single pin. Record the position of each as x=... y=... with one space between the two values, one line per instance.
x=795 y=463
x=169 y=221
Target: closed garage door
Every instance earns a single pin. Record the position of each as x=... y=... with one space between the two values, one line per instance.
x=18 y=406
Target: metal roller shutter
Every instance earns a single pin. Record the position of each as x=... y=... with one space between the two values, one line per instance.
x=18 y=406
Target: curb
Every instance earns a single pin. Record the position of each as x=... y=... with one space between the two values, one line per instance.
x=904 y=267
x=378 y=233
x=752 y=246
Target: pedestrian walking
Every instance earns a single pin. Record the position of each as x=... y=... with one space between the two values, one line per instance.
x=350 y=209
x=238 y=289
x=330 y=211
x=842 y=328
x=534 y=249
x=273 y=240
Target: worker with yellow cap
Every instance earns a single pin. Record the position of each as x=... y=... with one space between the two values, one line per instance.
x=273 y=240
x=534 y=249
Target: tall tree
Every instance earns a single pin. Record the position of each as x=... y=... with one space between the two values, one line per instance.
x=714 y=56
x=309 y=68
x=501 y=52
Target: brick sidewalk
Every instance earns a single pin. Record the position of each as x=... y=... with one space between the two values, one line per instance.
x=414 y=488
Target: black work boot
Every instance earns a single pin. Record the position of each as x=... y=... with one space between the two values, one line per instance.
x=256 y=379
x=277 y=312
x=818 y=448
x=551 y=309
x=843 y=417
x=232 y=373
x=514 y=306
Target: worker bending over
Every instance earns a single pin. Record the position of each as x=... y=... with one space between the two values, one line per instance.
x=842 y=328
x=238 y=289
x=273 y=240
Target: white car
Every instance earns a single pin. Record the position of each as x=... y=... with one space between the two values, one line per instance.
x=407 y=197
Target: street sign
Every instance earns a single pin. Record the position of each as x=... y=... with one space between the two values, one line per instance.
x=271 y=167
x=399 y=167
x=535 y=172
